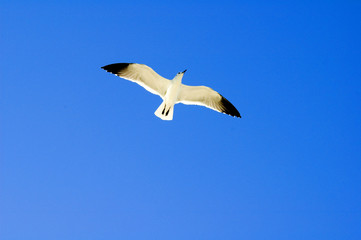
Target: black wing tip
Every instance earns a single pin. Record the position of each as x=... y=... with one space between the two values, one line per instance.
x=115 y=67
x=229 y=109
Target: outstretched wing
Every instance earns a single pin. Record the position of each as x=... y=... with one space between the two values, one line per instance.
x=141 y=74
x=207 y=97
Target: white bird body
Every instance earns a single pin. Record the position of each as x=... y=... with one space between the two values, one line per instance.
x=171 y=91
x=166 y=109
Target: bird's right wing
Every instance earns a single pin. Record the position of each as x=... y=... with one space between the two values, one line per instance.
x=207 y=97
x=142 y=75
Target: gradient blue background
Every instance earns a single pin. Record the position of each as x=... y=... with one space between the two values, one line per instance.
x=84 y=157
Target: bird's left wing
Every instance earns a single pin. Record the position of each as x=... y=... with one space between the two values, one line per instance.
x=207 y=97
x=142 y=75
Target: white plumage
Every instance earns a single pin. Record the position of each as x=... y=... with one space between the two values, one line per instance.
x=171 y=91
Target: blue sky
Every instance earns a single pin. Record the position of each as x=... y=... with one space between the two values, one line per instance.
x=84 y=157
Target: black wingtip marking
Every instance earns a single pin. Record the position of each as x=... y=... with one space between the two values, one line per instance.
x=228 y=108
x=115 y=68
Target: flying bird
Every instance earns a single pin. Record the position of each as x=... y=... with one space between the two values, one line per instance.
x=171 y=91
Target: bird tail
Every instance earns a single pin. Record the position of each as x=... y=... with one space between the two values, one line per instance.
x=165 y=112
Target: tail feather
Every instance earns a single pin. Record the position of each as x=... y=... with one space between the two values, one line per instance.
x=164 y=112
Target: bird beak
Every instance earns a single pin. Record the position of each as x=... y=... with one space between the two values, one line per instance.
x=184 y=71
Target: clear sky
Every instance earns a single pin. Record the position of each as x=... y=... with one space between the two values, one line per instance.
x=84 y=157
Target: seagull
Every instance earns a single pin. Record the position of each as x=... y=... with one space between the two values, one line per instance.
x=171 y=91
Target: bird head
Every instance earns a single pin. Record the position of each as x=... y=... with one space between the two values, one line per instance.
x=182 y=72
